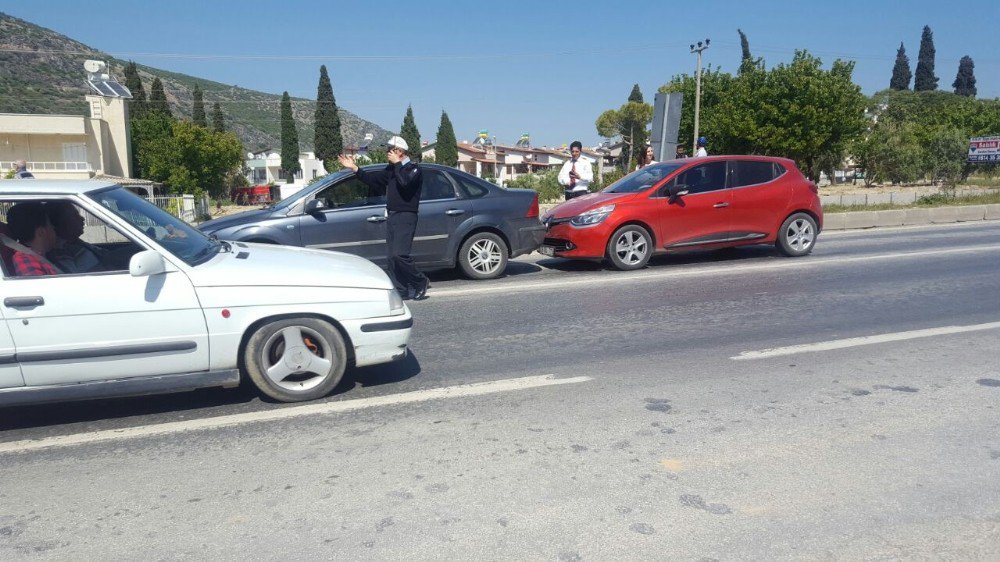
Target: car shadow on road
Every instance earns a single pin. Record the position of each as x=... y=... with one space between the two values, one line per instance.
x=685 y=258
x=206 y=402
x=514 y=268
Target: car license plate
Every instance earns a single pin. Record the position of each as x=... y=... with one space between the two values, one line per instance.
x=547 y=250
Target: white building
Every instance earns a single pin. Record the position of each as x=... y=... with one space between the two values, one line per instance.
x=264 y=167
x=73 y=146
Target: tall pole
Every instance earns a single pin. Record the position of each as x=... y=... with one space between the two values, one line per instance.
x=697 y=94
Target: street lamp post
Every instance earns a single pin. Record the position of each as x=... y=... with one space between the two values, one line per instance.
x=697 y=93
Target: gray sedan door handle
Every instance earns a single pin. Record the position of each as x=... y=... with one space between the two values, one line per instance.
x=23 y=302
x=454 y=212
x=376 y=218
x=721 y=205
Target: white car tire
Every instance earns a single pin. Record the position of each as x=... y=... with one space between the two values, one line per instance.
x=295 y=359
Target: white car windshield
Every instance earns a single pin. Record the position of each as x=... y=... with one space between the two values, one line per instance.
x=175 y=235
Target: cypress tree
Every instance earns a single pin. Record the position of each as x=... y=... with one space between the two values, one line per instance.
x=925 y=80
x=218 y=121
x=134 y=84
x=198 y=109
x=410 y=134
x=965 y=81
x=636 y=94
x=328 y=141
x=446 y=150
x=289 y=139
x=901 y=74
x=746 y=62
x=158 y=99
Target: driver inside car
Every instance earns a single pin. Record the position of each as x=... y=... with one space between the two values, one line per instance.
x=71 y=254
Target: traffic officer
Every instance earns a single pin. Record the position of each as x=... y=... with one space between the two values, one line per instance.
x=400 y=181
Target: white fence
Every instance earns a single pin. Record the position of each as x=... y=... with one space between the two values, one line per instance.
x=50 y=166
x=184 y=207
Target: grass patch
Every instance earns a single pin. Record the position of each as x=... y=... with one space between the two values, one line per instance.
x=934 y=200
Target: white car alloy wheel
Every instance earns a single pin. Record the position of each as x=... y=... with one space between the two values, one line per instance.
x=296 y=359
x=630 y=247
x=798 y=235
x=483 y=256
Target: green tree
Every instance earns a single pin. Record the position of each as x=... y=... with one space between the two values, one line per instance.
x=965 y=81
x=198 y=107
x=747 y=61
x=218 y=120
x=925 y=80
x=192 y=159
x=150 y=133
x=411 y=134
x=945 y=156
x=446 y=149
x=901 y=74
x=158 y=98
x=289 y=140
x=715 y=86
x=797 y=110
x=328 y=142
x=134 y=84
x=636 y=94
x=629 y=122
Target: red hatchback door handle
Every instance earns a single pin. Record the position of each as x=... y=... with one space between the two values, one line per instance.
x=720 y=205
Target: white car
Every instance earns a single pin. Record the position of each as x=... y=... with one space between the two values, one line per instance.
x=167 y=308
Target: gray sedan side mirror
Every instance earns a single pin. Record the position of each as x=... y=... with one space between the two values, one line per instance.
x=314 y=206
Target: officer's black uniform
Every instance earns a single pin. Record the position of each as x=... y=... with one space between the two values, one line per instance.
x=401 y=184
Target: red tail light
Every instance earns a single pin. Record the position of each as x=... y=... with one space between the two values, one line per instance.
x=533 y=209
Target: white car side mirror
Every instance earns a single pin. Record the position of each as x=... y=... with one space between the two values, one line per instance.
x=145 y=263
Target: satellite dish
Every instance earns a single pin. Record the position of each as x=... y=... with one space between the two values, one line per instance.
x=94 y=66
x=250 y=155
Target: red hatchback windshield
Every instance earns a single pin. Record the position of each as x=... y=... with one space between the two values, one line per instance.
x=643 y=179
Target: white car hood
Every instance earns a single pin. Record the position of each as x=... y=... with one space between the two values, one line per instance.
x=265 y=265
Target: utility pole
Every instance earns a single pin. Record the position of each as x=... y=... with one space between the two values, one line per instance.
x=697 y=93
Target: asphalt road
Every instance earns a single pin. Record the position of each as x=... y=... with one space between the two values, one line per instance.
x=717 y=405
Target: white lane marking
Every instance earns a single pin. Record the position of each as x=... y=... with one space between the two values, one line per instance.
x=459 y=391
x=865 y=340
x=928 y=227
x=618 y=277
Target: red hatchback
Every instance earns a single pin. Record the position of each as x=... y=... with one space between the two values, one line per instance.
x=695 y=203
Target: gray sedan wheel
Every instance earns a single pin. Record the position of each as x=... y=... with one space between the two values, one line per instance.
x=295 y=359
x=797 y=235
x=483 y=256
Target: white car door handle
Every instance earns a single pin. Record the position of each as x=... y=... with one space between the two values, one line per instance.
x=23 y=302
x=454 y=212
x=376 y=218
x=721 y=205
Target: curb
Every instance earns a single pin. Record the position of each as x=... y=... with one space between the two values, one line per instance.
x=907 y=217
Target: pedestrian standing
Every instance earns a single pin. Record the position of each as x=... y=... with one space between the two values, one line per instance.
x=702 y=141
x=645 y=158
x=21 y=170
x=576 y=174
x=401 y=182
x=681 y=152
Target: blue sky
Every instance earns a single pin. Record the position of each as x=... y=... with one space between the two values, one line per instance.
x=510 y=67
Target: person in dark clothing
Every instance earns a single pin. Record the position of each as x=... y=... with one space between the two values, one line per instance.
x=401 y=182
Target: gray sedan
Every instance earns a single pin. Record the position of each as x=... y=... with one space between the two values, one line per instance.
x=464 y=221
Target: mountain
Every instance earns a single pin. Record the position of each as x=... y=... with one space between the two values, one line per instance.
x=41 y=71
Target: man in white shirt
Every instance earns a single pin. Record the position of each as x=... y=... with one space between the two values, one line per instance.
x=576 y=173
x=702 y=141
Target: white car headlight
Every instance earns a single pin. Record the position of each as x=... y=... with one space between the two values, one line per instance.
x=592 y=217
x=396 y=306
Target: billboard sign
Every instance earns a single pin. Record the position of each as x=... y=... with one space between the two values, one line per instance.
x=984 y=149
